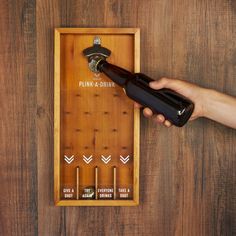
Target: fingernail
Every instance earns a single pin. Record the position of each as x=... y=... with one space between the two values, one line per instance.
x=167 y=124
x=147 y=112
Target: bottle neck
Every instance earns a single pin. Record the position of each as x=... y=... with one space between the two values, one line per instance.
x=117 y=74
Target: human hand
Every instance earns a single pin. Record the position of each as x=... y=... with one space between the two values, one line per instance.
x=191 y=91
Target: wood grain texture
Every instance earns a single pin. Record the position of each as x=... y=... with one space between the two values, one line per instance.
x=187 y=178
x=94 y=120
x=51 y=220
x=18 y=150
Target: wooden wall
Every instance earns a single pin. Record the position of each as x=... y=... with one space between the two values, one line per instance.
x=188 y=175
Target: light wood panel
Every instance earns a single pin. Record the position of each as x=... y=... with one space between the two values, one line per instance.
x=95 y=120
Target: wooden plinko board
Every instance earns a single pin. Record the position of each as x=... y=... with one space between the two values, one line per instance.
x=96 y=127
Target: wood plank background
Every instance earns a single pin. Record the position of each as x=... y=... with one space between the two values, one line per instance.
x=187 y=175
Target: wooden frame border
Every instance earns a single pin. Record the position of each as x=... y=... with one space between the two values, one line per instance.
x=136 y=151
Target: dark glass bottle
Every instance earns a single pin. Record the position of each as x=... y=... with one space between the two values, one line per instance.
x=175 y=107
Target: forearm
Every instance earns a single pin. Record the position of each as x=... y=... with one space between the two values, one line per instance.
x=220 y=107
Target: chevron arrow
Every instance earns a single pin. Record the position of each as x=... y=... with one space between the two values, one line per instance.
x=106 y=159
x=124 y=160
x=87 y=160
x=68 y=159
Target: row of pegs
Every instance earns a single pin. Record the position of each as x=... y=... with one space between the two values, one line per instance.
x=90 y=113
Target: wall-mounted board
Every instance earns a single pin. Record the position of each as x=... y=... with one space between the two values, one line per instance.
x=96 y=127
